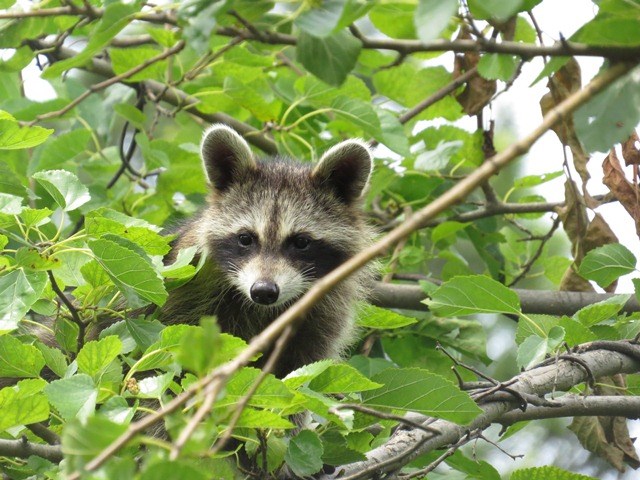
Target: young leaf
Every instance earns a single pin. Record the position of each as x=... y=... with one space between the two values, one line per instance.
x=64 y=187
x=96 y=356
x=73 y=397
x=342 y=378
x=13 y=137
x=424 y=392
x=534 y=348
x=132 y=273
x=370 y=316
x=21 y=408
x=330 y=58
x=18 y=359
x=547 y=473
x=497 y=66
x=304 y=455
x=19 y=290
x=606 y=264
x=601 y=311
x=473 y=294
x=432 y=17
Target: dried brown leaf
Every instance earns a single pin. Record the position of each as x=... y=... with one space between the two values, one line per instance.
x=626 y=192
x=566 y=81
x=574 y=218
x=592 y=437
x=630 y=151
x=478 y=91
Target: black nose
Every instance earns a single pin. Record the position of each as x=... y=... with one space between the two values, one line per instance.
x=264 y=292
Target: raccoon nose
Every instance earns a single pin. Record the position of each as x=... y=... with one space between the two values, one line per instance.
x=264 y=292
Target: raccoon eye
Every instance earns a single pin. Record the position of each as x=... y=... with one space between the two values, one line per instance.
x=245 y=239
x=301 y=242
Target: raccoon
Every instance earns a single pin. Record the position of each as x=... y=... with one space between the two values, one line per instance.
x=270 y=228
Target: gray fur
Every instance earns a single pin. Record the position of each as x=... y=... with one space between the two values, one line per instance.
x=276 y=199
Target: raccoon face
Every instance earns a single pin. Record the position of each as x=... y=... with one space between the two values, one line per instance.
x=274 y=227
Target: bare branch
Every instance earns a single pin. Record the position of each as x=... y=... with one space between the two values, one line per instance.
x=537 y=382
x=410 y=297
x=22 y=448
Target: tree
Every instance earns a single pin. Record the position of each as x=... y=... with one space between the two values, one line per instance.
x=91 y=171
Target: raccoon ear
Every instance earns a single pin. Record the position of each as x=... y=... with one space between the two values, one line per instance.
x=346 y=167
x=225 y=154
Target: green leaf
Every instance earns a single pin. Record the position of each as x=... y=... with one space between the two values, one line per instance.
x=105 y=220
x=417 y=390
x=432 y=17
x=533 y=350
x=272 y=392
x=473 y=294
x=438 y=158
x=64 y=187
x=21 y=408
x=62 y=148
x=82 y=442
x=130 y=113
x=497 y=9
x=330 y=58
x=547 y=473
x=155 y=386
x=115 y=17
x=342 y=378
x=124 y=59
x=606 y=264
x=19 y=360
x=252 y=418
x=10 y=204
x=601 y=311
x=370 y=316
x=73 y=397
x=199 y=347
x=95 y=356
x=610 y=117
x=13 y=136
x=304 y=454
x=497 y=66
x=132 y=273
x=19 y=290
x=615 y=31
x=321 y=17
x=53 y=358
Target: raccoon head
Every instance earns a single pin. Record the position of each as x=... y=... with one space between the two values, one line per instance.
x=275 y=226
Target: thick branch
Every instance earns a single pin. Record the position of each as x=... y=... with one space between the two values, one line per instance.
x=410 y=297
x=406 y=445
x=406 y=47
x=577 y=406
x=22 y=448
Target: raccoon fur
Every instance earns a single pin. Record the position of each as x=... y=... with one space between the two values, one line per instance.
x=270 y=229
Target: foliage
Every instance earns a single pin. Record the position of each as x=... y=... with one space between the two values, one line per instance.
x=90 y=174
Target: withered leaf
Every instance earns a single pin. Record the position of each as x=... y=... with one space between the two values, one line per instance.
x=562 y=84
x=478 y=91
x=626 y=192
x=630 y=151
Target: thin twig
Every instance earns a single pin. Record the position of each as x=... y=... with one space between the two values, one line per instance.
x=71 y=307
x=384 y=415
x=110 y=81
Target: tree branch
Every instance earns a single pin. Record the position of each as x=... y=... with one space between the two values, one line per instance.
x=560 y=376
x=549 y=302
x=407 y=47
x=577 y=406
x=23 y=448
